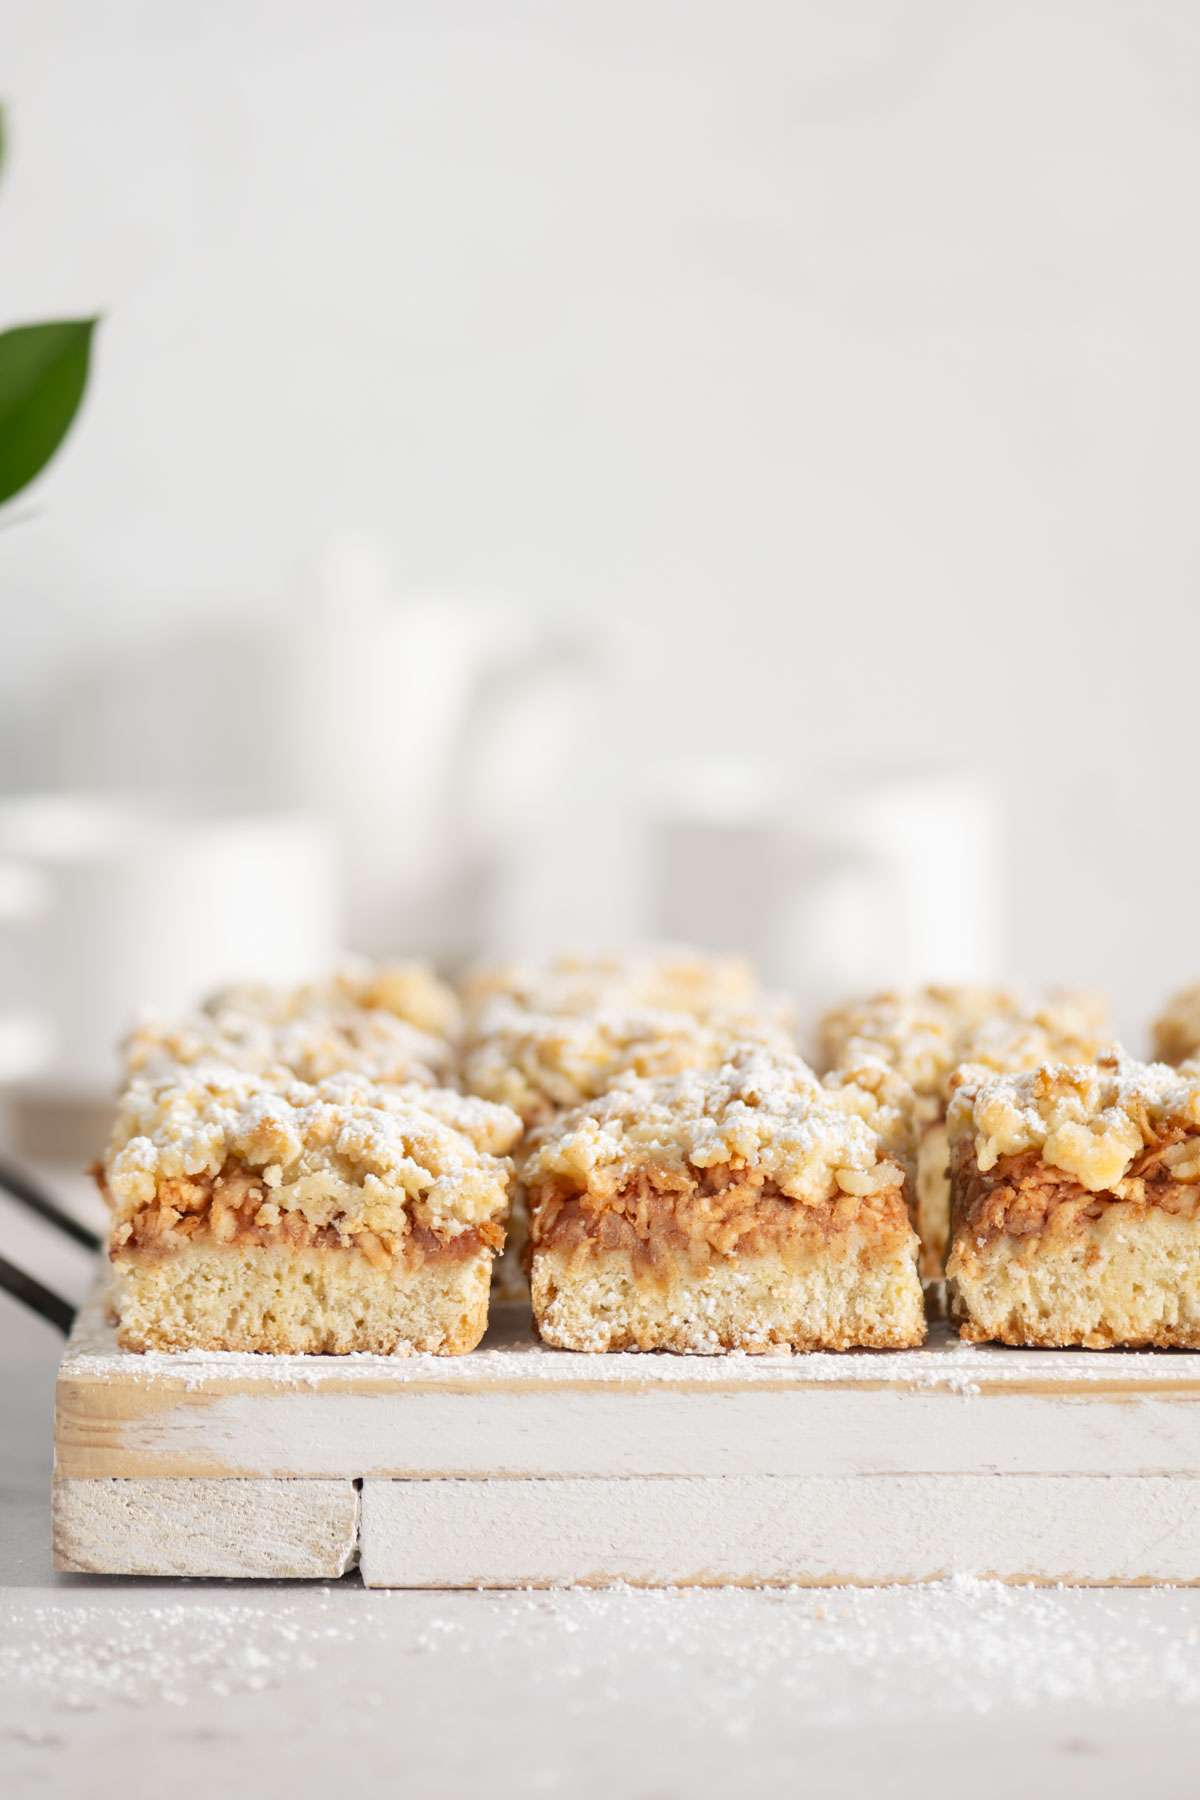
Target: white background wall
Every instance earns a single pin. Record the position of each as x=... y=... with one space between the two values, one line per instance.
x=844 y=358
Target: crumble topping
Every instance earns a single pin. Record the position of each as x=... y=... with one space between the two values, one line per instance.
x=343 y=1153
x=1177 y=1028
x=928 y=1034
x=762 y=1112
x=1054 y=1033
x=1093 y=1121
x=667 y=978
x=879 y=1095
x=539 y=1062
x=407 y=990
x=916 y=1032
x=311 y=1044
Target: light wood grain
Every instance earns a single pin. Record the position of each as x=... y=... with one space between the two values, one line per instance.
x=816 y=1531
x=515 y=1408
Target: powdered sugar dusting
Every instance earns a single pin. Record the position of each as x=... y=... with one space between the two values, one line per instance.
x=345 y=1151
x=86 y=1654
x=844 y=1655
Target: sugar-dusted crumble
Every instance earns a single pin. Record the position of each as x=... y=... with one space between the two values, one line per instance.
x=761 y=1111
x=382 y=1022
x=730 y=1209
x=342 y=1152
x=668 y=978
x=311 y=1045
x=1092 y=1121
x=407 y=990
x=928 y=1033
x=540 y=1063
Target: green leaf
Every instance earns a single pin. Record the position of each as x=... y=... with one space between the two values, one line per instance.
x=43 y=372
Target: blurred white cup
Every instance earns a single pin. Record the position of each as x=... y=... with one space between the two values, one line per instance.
x=855 y=880
x=934 y=833
x=146 y=906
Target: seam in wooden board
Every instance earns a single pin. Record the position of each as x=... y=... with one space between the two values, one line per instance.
x=355 y=1558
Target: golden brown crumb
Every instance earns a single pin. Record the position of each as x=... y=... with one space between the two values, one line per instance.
x=287 y=1301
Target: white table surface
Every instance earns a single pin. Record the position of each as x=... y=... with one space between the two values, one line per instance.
x=197 y=1688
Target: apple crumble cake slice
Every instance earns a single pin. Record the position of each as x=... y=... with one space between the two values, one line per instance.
x=1076 y=1205
x=735 y=1208
x=927 y=1036
x=258 y=1212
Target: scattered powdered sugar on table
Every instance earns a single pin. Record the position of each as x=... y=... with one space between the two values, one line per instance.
x=962 y=1646
x=737 y=1669
x=83 y=1653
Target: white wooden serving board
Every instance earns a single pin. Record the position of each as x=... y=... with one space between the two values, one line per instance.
x=521 y=1465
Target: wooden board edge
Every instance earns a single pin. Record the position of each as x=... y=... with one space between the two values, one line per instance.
x=246 y=1529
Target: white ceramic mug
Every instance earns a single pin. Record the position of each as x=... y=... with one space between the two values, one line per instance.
x=147 y=905
x=857 y=880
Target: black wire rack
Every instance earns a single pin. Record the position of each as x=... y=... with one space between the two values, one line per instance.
x=30 y=1194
